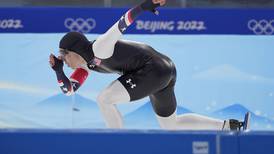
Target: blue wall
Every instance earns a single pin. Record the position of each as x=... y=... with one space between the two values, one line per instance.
x=170 y=21
x=134 y=142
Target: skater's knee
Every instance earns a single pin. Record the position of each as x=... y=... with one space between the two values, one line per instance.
x=114 y=94
x=106 y=97
x=165 y=111
x=168 y=122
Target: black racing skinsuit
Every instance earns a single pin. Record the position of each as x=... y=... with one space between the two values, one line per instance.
x=144 y=72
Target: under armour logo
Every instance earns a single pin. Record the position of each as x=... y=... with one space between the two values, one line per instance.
x=123 y=29
x=91 y=66
x=65 y=89
x=132 y=85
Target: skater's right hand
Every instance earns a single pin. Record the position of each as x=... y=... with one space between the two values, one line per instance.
x=151 y=5
x=56 y=63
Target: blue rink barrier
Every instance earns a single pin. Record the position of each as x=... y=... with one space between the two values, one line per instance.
x=134 y=142
x=170 y=21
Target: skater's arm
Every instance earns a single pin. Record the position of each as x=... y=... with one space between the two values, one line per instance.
x=68 y=86
x=78 y=77
x=103 y=47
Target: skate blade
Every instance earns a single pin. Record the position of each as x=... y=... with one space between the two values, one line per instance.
x=246 y=125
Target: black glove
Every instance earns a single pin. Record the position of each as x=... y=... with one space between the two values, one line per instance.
x=58 y=65
x=148 y=5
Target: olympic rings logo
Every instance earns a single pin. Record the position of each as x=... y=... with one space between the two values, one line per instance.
x=262 y=27
x=80 y=24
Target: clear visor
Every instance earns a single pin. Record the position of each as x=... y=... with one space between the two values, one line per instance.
x=63 y=53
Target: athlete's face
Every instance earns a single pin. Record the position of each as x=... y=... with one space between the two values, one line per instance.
x=72 y=59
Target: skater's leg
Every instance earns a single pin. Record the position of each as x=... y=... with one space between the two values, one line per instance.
x=164 y=104
x=192 y=121
x=168 y=123
x=113 y=94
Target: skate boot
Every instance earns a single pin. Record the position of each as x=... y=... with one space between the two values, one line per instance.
x=236 y=125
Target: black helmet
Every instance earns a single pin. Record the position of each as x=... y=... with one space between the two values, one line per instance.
x=78 y=43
